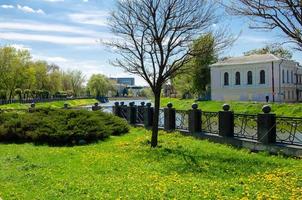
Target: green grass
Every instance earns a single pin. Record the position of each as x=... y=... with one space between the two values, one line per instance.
x=54 y=104
x=182 y=168
x=281 y=109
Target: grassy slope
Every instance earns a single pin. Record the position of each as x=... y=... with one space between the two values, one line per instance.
x=127 y=167
x=238 y=107
x=55 y=104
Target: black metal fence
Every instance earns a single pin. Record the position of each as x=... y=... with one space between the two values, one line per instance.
x=209 y=122
x=289 y=130
x=245 y=126
x=265 y=127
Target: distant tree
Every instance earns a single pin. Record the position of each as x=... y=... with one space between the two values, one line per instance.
x=282 y=15
x=66 y=81
x=99 y=85
x=12 y=65
x=41 y=73
x=156 y=38
x=27 y=94
x=274 y=49
x=125 y=92
x=18 y=92
x=77 y=80
x=55 y=82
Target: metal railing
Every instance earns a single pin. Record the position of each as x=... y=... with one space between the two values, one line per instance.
x=161 y=118
x=140 y=115
x=210 y=122
x=182 y=119
x=289 y=130
x=245 y=126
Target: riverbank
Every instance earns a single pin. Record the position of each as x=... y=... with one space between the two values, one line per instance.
x=54 y=104
x=280 y=109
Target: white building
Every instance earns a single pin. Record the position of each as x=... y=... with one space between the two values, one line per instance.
x=256 y=77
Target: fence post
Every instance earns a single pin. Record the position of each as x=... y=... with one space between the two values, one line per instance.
x=66 y=105
x=226 y=122
x=195 y=119
x=96 y=107
x=169 y=117
x=266 y=126
x=117 y=109
x=148 y=115
x=32 y=107
x=140 y=113
x=131 y=113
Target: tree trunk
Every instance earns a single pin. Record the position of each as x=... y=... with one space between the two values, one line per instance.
x=154 y=139
x=10 y=95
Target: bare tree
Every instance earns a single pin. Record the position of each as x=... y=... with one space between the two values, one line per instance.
x=284 y=15
x=155 y=38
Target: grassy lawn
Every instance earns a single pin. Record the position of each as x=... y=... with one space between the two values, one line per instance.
x=282 y=109
x=54 y=104
x=182 y=168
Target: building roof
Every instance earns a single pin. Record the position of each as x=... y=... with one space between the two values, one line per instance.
x=256 y=58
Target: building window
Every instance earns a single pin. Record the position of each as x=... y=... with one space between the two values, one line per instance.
x=226 y=78
x=237 y=78
x=262 y=77
x=287 y=76
x=288 y=95
x=283 y=81
x=292 y=77
x=293 y=94
x=249 y=78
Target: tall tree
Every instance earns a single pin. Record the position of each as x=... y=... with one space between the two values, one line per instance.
x=42 y=78
x=155 y=38
x=99 y=85
x=197 y=78
x=77 y=80
x=12 y=65
x=283 y=15
x=274 y=49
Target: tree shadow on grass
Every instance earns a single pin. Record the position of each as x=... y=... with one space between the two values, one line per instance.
x=185 y=160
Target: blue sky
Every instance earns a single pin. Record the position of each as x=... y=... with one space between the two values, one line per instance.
x=69 y=33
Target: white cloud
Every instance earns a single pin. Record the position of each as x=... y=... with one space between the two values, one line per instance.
x=20 y=47
x=28 y=9
x=56 y=59
x=7 y=6
x=49 y=39
x=92 y=18
x=85 y=0
x=40 y=11
x=253 y=39
x=30 y=26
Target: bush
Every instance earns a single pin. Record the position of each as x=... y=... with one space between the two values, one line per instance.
x=60 y=127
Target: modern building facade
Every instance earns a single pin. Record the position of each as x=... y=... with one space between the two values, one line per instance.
x=124 y=81
x=256 y=78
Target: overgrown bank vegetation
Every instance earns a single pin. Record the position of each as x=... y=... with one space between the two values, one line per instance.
x=126 y=167
x=59 y=127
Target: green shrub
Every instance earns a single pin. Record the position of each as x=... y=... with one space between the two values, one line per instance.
x=59 y=127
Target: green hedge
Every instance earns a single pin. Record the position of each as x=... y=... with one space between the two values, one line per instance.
x=59 y=127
